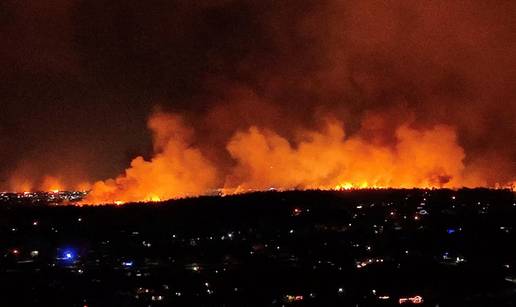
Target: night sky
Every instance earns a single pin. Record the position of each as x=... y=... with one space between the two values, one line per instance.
x=79 y=79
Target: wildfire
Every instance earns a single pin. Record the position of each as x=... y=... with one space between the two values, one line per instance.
x=176 y=170
x=351 y=186
x=262 y=159
x=52 y=184
x=154 y=198
x=268 y=113
x=328 y=159
x=344 y=186
x=19 y=184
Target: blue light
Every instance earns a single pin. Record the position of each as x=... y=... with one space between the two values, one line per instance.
x=450 y=231
x=67 y=255
x=127 y=263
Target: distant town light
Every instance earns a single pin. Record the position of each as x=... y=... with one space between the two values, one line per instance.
x=297 y=211
x=294 y=298
x=411 y=300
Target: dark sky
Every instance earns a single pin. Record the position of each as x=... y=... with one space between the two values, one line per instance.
x=79 y=78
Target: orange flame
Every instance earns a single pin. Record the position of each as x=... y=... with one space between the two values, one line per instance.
x=326 y=159
x=51 y=184
x=176 y=170
x=329 y=160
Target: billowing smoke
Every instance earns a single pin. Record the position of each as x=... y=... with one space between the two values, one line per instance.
x=424 y=91
x=326 y=159
x=176 y=169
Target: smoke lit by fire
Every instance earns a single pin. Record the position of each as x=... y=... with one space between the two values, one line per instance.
x=323 y=159
x=329 y=159
x=176 y=170
x=256 y=95
x=261 y=159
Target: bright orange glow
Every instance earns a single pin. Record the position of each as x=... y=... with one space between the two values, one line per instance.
x=176 y=170
x=83 y=186
x=18 y=184
x=51 y=184
x=344 y=186
x=154 y=198
x=262 y=160
x=328 y=159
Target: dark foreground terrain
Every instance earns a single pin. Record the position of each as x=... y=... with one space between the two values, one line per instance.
x=352 y=248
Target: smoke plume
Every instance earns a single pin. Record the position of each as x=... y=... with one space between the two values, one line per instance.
x=421 y=92
x=326 y=159
x=176 y=169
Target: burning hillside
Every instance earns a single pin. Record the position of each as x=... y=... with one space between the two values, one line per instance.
x=321 y=159
x=252 y=95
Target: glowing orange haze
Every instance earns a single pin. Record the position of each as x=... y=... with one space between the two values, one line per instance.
x=324 y=159
x=176 y=170
x=51 y=184
x=48 y=183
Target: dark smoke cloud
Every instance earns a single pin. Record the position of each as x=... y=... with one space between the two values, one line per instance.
x=79 y=78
